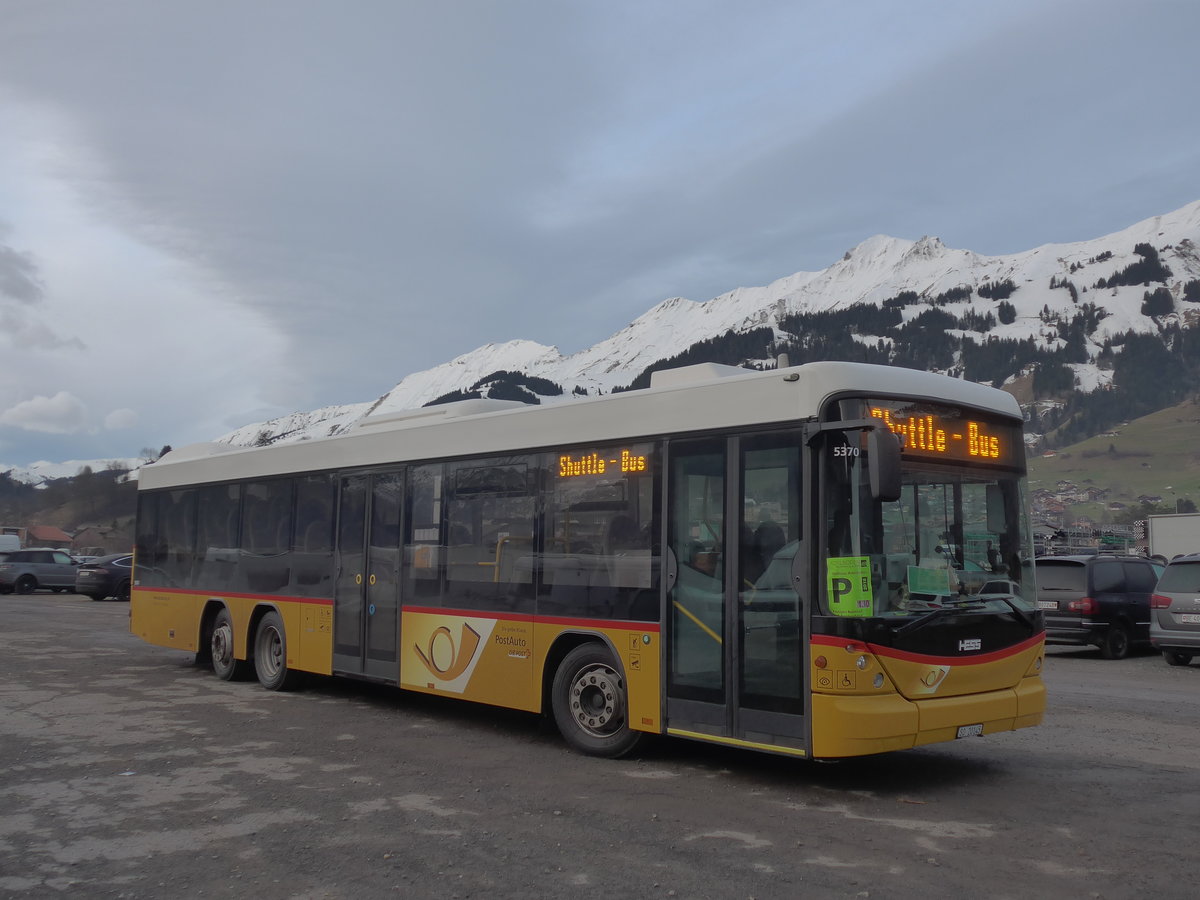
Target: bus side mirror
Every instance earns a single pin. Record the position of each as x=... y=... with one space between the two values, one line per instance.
x=883 y=463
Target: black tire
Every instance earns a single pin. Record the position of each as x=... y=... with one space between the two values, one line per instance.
x=1115 y=644
x=1175 y=658
x=270 y=656
x=122 y=592
x=26 y=584
x=95 y=597
x=226 y=666
x=590 y=703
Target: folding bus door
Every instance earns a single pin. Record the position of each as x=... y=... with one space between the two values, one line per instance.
x=366 y=606
x=736 y=645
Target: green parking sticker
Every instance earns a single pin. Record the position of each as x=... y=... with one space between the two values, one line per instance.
x=848 y=585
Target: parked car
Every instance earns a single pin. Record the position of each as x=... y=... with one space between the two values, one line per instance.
x=1102 y=600
x=1175 y=611
x=105 y=576
x=24 y=571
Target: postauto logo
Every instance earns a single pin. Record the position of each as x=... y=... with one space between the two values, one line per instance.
x=450 y=650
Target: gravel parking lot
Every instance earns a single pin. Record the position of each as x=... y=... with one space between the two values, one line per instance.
x=126 y=771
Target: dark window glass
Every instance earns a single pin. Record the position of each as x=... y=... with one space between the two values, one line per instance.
x=600 y=533
x=1108 y=577
x=424 y=550
x=1184 y=577
x=352 y=558
x=217 y=544
x=177 y=521
x=489 y=535
x=387 y=498
x=147 y=546
x=698 y=603
x=266 y=535
x=1139 y=577
x=1061 y=576
x=769 y=607
x=312 y=543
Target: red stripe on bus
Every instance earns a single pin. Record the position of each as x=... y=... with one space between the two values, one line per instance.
x=621 y=624
x=213 y=595
x=828 y=640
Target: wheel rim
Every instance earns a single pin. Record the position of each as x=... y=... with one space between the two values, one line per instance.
x=222 y=645
x=270 y=652
x=596 y=700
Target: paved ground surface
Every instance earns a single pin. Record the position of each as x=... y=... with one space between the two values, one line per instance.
x=125 y=771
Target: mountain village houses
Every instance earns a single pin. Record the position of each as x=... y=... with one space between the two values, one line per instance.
x=90 y=540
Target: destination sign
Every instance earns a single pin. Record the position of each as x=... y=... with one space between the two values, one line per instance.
x=625 y=461
x=951 y=434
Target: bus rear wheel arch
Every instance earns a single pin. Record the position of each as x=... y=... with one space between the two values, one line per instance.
x=224 y=663
x=270 y=655
x=590 y=702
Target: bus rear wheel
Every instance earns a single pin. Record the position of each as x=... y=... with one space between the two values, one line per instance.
x=270 y=656
x=227 y=666
x=590 y=704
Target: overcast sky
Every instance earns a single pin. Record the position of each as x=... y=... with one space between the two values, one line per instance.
x=213 y=212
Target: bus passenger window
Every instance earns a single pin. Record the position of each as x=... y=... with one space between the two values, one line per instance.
x=489 y=530
x=598 y=560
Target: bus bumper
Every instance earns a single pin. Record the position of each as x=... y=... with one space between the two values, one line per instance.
x=857 y=726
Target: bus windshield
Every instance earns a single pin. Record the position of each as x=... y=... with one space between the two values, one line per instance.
x=956 y=537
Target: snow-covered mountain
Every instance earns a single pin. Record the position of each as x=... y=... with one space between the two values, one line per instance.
x=40 y=472
x=1047 y=283
x=1046 y=287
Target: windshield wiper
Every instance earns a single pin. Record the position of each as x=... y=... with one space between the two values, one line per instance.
x=954 y=606
x=1019 y=613
x=963 y=605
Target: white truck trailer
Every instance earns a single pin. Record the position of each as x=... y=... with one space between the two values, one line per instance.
x=1170 y=535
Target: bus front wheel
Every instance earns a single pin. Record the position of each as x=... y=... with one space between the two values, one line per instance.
x=270 y=656
x=590 y=703
x=227 y=666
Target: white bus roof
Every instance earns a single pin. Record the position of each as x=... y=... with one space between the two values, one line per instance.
x=689 y=399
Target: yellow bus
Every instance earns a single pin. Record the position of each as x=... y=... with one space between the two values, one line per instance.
x=827 y=560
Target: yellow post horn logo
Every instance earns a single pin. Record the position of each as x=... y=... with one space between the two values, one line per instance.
x=459 y=658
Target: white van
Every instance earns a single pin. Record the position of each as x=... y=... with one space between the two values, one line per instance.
x=9 y=542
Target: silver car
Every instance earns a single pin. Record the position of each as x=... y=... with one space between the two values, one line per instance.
x=1175 y=611
x=24 y=571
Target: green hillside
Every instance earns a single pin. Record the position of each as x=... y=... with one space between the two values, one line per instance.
x=1157 y=456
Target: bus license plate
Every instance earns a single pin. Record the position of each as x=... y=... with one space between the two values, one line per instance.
x=1189 y=619
x=970 y=730
x=1047 y=604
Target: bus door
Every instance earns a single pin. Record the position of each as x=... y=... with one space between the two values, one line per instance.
x=366 y=605
x=736 y=645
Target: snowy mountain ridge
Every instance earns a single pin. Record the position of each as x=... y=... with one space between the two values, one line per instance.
x=1049 y=282
x=878 y=268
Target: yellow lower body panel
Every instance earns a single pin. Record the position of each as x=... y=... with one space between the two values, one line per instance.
x=857 y=725
x=172 y=619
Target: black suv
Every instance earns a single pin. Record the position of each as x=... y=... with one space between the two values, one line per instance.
x=1102 y=600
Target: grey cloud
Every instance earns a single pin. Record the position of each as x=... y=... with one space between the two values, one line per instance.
x=19 y=278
